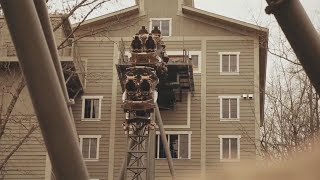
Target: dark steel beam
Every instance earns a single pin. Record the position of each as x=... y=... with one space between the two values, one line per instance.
x=44 y=18
x=164 y=141
x=44 y=89
x=151 y=150
x=301 y=34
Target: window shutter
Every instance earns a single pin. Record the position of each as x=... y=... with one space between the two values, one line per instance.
x=233 y=108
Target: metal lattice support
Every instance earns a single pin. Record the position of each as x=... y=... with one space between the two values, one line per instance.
x=138 y=136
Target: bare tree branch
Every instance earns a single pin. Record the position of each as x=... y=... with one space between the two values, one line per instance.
x=17 y=147
x=12 y=103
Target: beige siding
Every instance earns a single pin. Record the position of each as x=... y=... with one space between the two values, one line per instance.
x=99 y=56
x=28 y=162
x=218 y=85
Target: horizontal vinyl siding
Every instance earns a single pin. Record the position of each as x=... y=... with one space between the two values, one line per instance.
x=99 y=56
x=180 y=45
x=186 y=168
x=218 y=85
x=28 y=162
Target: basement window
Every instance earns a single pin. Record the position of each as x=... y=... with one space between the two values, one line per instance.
x=164 y=24
x=179 y=145
x=91 y=108
x=89 y=146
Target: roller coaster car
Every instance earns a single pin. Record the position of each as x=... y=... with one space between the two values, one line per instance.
x=140 y=94
x=145 y=49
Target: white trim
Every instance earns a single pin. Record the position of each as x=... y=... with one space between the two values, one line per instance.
x=238 y=107
x=48 y=168
x=238 y=137
x=189 y=133
x=86 y=72
x=176 y=38
x=83 y=110
x=98 y=137
x=188 y=125
x=238 y=65
x=161 y=19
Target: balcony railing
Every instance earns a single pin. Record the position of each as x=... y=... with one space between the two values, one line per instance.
x=68 y=56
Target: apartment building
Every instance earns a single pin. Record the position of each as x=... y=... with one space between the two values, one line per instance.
x=214 y=126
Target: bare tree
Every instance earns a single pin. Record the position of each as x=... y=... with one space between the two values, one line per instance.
x=16 y=128
x=292 y=108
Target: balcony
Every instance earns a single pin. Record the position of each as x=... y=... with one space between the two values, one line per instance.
x=74 y=69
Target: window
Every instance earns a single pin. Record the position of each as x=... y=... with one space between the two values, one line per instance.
x=229 y=108
x=164 y=25
x=196 y=60
x=229 y=147
x=91 y=107
x=194 y=55
x=229 y=63
x=179 y=145
x=89 y=146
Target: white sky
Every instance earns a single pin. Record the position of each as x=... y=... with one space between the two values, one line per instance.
x=245 y=10
x=251 y=11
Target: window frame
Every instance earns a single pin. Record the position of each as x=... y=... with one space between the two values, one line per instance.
x=161 y=19
x=83 y=108
x=98 y=137
x=238 y=107
x=238 y=65
x=221 y=137
x=189 y=133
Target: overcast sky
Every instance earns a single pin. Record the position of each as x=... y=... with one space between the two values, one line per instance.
x=251 y=11
x=245 y=10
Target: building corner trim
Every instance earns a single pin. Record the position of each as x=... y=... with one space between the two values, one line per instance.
x=203 y=109
x=113 y=113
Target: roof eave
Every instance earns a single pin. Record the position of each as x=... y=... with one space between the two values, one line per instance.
x=217 y=17
x=110 y=16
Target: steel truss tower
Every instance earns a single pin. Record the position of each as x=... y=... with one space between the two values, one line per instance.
x=137 y=152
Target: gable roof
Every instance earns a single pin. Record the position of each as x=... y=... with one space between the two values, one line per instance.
x=261 y=32
x=216 y=17
x=111 y=16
